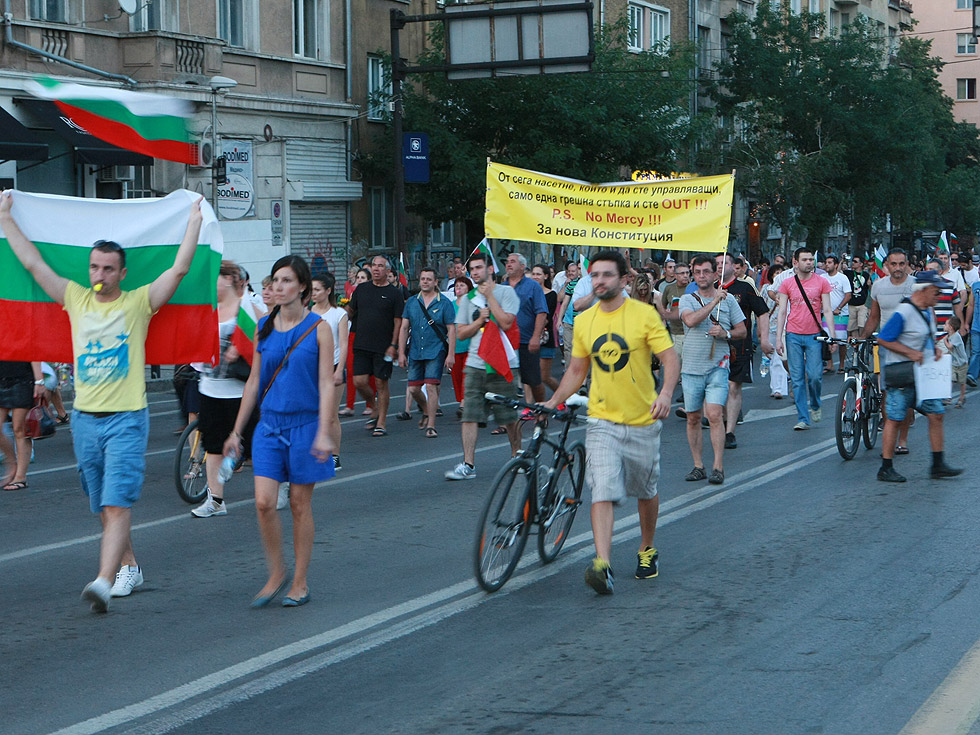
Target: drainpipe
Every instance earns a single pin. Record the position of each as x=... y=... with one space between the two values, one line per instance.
x=8 y=39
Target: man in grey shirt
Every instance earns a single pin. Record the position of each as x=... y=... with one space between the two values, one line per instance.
x=908 y=338
x=711 y=317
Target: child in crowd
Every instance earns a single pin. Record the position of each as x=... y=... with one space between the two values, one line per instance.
x=952 y=344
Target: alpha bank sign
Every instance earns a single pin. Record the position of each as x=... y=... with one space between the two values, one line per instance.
x=236 y=198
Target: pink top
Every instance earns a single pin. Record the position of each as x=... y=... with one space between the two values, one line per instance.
x=800 y=320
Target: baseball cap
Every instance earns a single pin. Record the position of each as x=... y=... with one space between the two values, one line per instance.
x=927 y=278
x=976 y=258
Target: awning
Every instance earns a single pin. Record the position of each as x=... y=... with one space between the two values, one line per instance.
x=88 y=148
x=17 y=143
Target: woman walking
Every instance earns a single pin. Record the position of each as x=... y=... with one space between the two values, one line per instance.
x=461 y=287
x=292 y=384
x=325 y=306
x=542 y=274
x=21 y=385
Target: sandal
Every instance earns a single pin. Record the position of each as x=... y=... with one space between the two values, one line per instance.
x=370 y=424
x=423 y=421
x=960 y=404
x=696 y=474
x=901 y=450
x=379 y=432
x=62 y=420
x=345 y=412
x=431 y=433
x=18 y=485
x=403 y=416
x=499 y=430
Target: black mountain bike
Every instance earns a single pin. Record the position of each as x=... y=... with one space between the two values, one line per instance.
x=859 y=401
x=541 y=486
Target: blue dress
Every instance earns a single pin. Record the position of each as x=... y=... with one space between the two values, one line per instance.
x=290 y=413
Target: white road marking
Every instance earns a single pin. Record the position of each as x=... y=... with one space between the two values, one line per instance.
x=954 y=707
x=368 y=636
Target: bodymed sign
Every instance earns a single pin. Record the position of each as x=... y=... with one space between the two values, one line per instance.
x=679 y=214
x=236 y=197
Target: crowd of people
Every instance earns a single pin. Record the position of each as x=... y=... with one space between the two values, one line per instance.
x=631 y=333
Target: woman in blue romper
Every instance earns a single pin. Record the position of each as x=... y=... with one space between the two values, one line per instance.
x=292 y=440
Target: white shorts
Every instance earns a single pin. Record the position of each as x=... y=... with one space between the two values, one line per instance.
x=622 y=460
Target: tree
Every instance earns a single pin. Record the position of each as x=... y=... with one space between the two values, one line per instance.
x=630 y=112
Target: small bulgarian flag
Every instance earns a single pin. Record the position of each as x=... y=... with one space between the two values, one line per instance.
x=880 y=255
x=245 y=330
x=943 y=246
x=150 y=230
x=494 y=350
x=484 y=248
x=584 y=263
x=152 y=124
x=402 y=276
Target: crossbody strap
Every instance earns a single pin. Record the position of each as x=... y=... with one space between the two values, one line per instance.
x=437 y=328
x=286 y=358
x=806 y=300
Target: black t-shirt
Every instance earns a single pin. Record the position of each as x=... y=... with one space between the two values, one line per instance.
x=21 y=370
x=374 y=310
x=548 y=333
x=860 y=287
x=750 y=303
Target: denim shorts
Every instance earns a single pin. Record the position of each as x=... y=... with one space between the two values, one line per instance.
x=712 y=387
x=111 y=454
x=898 y=401
x=426 y=371
x=281 y=450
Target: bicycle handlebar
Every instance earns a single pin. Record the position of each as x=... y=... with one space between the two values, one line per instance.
x=848 y=341
x=572 y=403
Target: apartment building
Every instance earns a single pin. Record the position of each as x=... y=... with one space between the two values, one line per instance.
x=276 y=76
x=948 y=24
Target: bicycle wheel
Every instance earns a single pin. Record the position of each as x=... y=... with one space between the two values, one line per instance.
x=872 y=413
x=847 y=423
x=189 y=474
x=562 y=501
x=504 y=525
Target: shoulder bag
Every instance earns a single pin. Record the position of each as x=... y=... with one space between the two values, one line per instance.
x=902 y=374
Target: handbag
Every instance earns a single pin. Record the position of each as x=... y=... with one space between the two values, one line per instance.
x=39 y=424
x=902 y=374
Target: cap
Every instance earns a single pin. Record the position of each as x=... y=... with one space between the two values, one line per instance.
x=927 y=278
x=976 y=258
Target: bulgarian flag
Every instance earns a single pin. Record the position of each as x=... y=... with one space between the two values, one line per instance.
x=152 y=124
x=880 y=255
x=484 y=249
x=33 y=327
x=494 y=349
x=943 y=246
x=584 y=263
x=402 y=276
x=245 y=330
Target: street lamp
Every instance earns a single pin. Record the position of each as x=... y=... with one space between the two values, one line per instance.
x=218 y=85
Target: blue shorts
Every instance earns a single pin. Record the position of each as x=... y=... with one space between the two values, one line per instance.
x=426 y=371
x=712 y=387
x=898 y=401
x=111 y=454
x=281 y=451
x=547 y=353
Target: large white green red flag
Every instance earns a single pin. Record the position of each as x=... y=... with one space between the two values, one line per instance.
x=33 y=327
x=152 y=124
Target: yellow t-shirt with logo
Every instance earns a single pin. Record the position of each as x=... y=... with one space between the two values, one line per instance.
x=109 y=342
x=620 y=345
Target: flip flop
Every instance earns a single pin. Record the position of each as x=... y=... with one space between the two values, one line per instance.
x=901 y=450
x=370 y=424
x=403 y=416
x=431 y=433
x=379 y=432
x=345 y=412
x=18 y=485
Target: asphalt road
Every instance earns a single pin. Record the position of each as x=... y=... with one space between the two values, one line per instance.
x=802 y=596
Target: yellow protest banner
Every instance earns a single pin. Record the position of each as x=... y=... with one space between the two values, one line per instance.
x=681 y=214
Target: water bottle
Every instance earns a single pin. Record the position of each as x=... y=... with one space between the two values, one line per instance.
x=227 y=468
x=764 y=368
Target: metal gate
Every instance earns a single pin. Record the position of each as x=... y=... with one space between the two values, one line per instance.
x=318 y=232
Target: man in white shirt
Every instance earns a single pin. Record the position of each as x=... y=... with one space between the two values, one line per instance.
x=839 y=296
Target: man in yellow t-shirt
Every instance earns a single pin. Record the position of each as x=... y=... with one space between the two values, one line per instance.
x=110 y=421
x=618 y=338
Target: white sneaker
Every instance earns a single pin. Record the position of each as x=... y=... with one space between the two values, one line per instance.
x=127 y=579
x=283 y=500
x=462 y=471
x=801 y=426
x=97 y=592
x=209 y=508
x=816 y=414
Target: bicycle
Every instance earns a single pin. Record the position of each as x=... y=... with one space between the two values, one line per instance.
x=190 y=476
x=531 y=490
x=859 y=401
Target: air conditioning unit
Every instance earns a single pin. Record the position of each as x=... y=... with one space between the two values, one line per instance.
x=115 y=174
x=205 y=154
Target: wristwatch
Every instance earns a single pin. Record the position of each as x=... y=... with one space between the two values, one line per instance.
x=39 y=382
x=728 y=335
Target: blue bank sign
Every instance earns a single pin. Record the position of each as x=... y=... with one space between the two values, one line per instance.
x=415 y=157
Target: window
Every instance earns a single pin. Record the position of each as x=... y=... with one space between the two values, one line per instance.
x=231 y=22
x=150 y=17
x=964 y=4
x=381 y=216
x=966 y=43
x=796 y=6
x=814 y=6
x=309 y=35
x=441 y=235
x=966 y=89
x=55 y=11
x=140 y=187
x=379 y=88
x=704 y=50
x=649 y=27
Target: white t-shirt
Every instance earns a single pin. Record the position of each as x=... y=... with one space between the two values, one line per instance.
x=954 y=276
x=971 y=276
x=582 y=289
x=334 y=316
x=841 y=286
x=559 y=281
x=469 y=310
x=213 y=382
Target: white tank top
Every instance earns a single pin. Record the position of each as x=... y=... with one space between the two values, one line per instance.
x=333 y=316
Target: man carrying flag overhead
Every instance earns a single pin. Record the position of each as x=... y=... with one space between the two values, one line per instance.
x=489 y=320
x=483 y=248
x=110 y=421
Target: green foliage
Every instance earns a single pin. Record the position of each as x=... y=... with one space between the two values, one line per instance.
x=630 y=112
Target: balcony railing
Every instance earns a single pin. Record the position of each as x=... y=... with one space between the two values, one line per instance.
x=190 y=56
x=55 y=41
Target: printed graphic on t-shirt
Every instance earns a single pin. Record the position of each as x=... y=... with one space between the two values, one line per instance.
x=611 y=353
x=105 y=353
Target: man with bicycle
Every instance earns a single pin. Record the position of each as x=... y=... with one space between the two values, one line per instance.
x=620 y=336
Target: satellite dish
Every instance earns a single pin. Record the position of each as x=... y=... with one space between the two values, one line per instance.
x=129 y=7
